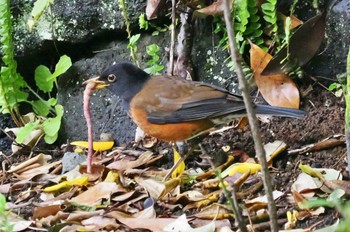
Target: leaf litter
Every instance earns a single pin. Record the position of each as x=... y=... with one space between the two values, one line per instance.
x=125 y=191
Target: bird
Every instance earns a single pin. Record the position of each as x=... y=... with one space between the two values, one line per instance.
x=173 y=109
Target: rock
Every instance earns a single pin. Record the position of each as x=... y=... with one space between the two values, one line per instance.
x=70 y=160
x=5 y=142
x=332 y=59
x=73 y=22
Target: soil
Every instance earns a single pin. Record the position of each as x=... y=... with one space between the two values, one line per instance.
x=325 y=117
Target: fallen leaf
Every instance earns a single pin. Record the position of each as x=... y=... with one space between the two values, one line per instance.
x=215 y=211
x=303 y=45
x=181 y=224
x=82 y=181
x=153 y=7
x=216 y=8
x=273 y=149
x=99 y=222
x=39 y=159
x=278 y=89
x=180 y=169
x=44 y=211
x=96 y=193
x=241 y=168
x=97 y=146
x=295 y=22
x=41 y=170
x=126 y=163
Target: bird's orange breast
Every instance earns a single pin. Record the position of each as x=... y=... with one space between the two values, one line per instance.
x=169 y=132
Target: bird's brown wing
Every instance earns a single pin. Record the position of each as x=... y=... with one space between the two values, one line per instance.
x=172 y=100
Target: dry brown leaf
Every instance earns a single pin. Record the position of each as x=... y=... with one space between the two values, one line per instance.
x=156 y=224
x=214 y=9
x=339 y=184
x=125 y=163
x=295 y=22
x=181 y=224
x=214 y=211
x=209 y=198
x=53 y=219
x=220 y=225
x=277 y=89
x=124 y=196
x=44 y=211
x=96 y=193
x=18 y=222
x=77 y=216
x=153 y=7
x=99 y=222
x=5 y=188
x=303 y=45
x=29 y=174
x=39 y=159
x=153 y=187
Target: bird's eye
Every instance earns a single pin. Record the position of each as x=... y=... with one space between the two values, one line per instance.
x=111 y=78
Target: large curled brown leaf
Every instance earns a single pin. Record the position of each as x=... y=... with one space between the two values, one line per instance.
x=277 y=89
x=303 y=45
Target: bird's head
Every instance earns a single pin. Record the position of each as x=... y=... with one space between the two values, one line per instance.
x=122 y=79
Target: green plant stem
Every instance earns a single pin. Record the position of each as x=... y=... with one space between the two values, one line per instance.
x=232 y=200
x=243 y=86
x=52 y=110
x=127 y=23
x=53 y=34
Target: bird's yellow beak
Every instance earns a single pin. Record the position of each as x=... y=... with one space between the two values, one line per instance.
x=98 y=84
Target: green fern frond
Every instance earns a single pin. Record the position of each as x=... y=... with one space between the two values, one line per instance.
x=11 y=83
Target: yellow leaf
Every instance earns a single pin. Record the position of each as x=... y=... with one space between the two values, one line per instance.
x=312 y=172
x=181 y=168
x=97 y=146
x=112 y=176
x=243 y=167
x=81 y=181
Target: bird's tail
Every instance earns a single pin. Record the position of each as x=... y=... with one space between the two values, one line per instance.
x=279 y=111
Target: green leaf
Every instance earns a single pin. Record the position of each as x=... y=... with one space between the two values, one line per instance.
x=24 y=132
x=52 y=125
x=143 y=23
x=51 y=139
x=43 y=78
x=40 y=108
x=39 y=8
x=313 y=203
x=333 y=86
x=336 y=195
x=133 y=39
x=2 y=203
x=268 y=7
x=62 y=66
x=43 y=107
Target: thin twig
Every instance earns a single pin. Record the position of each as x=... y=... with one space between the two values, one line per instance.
x=230 y=196
x=172 y=39
x=243 y=86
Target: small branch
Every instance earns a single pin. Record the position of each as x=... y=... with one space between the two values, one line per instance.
x=243 y=86
x=347 y=108
x=172 y=41
x=232 y=199
x=183 y=66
